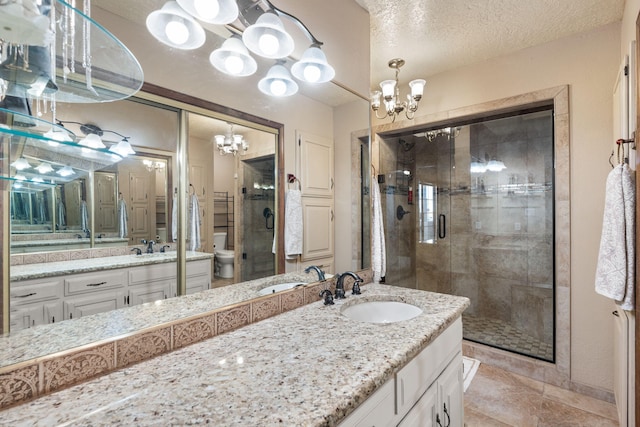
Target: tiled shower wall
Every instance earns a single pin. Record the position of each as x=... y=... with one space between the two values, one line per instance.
x=498 y=250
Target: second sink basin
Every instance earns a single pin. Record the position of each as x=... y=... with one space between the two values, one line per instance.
x=381 y=311
x=279 y=287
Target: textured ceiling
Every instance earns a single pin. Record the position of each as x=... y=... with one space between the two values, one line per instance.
x=435 y=35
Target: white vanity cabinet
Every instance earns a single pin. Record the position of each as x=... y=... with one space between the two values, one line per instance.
x=48 y=300
x=421 y=390
x=35 y=302
x=96 y=292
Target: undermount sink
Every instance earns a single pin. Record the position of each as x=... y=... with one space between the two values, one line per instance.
x=279 y=287
x=381 y=311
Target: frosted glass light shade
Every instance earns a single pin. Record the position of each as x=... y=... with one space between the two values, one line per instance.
x=233 y=58
x=417 y=88
x=211 y=11
x=66 y=171
x=92 y=141
x=268 y=38
x=388 y=87
x=313 y=67
x=174 y=27
x=123 y=148
x=495 y=165
x=375 y=99
x=21 y=164
x=278 y=82
x=44 y=168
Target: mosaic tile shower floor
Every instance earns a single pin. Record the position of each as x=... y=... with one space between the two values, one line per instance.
x=499 y=333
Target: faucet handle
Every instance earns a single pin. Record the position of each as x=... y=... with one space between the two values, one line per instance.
x=328 y=298
x=355 y=290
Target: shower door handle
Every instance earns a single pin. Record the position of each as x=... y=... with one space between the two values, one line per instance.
x=442 y=226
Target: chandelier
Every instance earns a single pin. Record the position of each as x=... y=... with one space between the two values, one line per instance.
x=390 y=94
x=255 y=26
x=230 y=143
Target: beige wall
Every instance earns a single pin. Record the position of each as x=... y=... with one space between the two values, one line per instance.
x=588 y=63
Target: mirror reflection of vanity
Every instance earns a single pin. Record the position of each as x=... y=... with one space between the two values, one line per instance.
x=148 y=181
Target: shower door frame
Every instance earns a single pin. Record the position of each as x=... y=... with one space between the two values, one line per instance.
x=559 y=97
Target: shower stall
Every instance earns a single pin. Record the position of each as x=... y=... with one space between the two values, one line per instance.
x=469 y=210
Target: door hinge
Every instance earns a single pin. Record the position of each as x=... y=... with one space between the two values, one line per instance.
x=244 y=190
x=244 y=255
x=626 y=70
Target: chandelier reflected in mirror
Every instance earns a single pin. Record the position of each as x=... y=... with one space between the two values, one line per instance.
x=230 y=143
x=390 y=94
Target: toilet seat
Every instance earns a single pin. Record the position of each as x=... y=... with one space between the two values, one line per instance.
x=224 y=253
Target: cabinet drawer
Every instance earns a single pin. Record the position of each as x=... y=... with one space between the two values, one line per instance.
x=93 y=282
x=198 y=268
x=33 y=291
x=150 y=273
x=377 y=410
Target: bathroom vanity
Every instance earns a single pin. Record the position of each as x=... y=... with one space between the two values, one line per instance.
x=308 y=366
x=52 y=292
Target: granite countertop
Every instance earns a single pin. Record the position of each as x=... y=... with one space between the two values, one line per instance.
x=27 y=344
x=61 y=268
x=306 y=367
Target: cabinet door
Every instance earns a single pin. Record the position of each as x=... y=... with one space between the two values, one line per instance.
x=52 y=311
x=27 y=316
x=450 y=390
x=97 y=302
x=424 y=413
x=149 y=292
x=197 y=284
x=316 y=165
x=317 y=217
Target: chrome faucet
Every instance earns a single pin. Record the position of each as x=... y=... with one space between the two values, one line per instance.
x=163 y=249
x=340 y=284
x=317 y=269
x=149 y=244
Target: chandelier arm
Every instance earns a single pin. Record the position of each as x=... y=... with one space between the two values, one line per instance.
x=383 y=117
x=298 y=22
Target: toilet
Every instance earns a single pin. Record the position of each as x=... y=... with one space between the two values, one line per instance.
x=223 y=258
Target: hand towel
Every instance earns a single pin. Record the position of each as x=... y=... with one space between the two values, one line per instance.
x=174 y=218
x=194 y=223
x=293 y=229
x=62 y=214
x=378 y=249
x=84 y=216
x=122 y=218
x=615 y=272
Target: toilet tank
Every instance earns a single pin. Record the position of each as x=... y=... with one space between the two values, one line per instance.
x=219 y=241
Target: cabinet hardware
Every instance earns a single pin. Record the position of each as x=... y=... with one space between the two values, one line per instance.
x=27 y=295
x=332 y=183
x=615 y=313
x=70 y=315
x=447 y=414
x=438 y=420
x=96 y=284
x=442 y=226
x=53 y=319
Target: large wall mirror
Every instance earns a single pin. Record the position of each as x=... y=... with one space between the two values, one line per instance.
x=239 y=195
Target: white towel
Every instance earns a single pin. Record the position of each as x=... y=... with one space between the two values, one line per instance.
x=122 y=218
x=174 y=218
x=62 y=214
x=194 y=223
x=84 y=216
x=615 y=273
x=378 y=250
x=293 y=229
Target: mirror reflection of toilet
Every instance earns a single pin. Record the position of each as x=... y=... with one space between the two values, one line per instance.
x=223 y=258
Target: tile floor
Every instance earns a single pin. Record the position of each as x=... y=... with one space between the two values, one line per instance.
x=498 y=398
x=501 y=334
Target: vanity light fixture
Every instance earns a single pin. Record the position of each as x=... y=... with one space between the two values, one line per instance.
x=66 y=171
x=233 y=58
x=278 y=82
x=173 y=26
x=230 y=143
x=151 y=165
x=92 y=139
x=256 y=26
x=44 y=168
x=21 y=164
x=393 y=105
